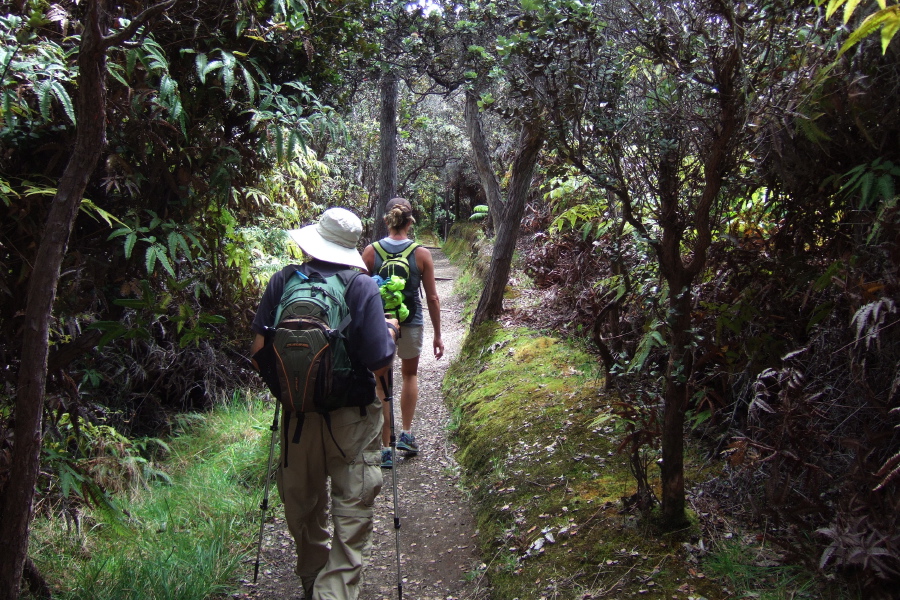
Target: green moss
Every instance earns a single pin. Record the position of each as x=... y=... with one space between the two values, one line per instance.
x=536 y=465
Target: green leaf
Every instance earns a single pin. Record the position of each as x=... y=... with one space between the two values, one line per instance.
x=172 y=241
x=119 y=232
x=130 y=61
x=130 y=241
x=63 y=96
x=209 y=68
x=890 y=29
x=251 y=85
x=200 y=62
x=849 y=8
x=865 y=188
x=167 y=87
x=885 y=187
x=88 y=206
x=118 y=73
x=228 y=71
x=150 y=258
x=887 y=17
x=158 y=60
x=819 y=314
x=42 y=90
x=164 y=261
x=832 y=7
x=215 y=319
x=701 y=417
x=279 y=144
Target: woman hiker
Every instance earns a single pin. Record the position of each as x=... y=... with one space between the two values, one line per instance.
x=399 y=219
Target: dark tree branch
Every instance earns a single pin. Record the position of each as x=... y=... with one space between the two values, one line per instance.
x=139 y=21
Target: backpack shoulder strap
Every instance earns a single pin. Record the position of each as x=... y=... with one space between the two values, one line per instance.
x=381 y=251
x=409 y=250
x=347 y=276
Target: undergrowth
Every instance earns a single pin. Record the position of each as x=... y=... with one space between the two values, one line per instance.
x=181 y=539
x=538 y=451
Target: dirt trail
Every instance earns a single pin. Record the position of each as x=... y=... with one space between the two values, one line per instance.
x=437 y=533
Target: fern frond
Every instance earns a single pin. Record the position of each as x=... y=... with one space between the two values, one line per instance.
x=889 y=472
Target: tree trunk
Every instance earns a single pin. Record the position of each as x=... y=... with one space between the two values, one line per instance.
x=678 y=372
x=680 y=277
x=387 y=176
x=456 y=193
x=90 y=139
x=482 y=156
x=531 y=138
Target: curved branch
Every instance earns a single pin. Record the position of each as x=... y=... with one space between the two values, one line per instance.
x=139 y=21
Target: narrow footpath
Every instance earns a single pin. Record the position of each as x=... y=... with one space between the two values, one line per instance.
x=438 y=557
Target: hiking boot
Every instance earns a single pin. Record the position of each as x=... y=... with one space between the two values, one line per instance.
x=407 y=443
x=387 y=461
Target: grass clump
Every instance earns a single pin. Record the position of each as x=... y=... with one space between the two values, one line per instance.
x=753 y=570
x=184 y=539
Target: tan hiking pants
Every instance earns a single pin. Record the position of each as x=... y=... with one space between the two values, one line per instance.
x=332 y=573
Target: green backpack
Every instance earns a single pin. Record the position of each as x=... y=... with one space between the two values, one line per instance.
x=397 y=264
x=309 y=368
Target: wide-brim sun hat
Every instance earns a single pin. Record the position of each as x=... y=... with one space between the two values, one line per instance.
x=333 y=239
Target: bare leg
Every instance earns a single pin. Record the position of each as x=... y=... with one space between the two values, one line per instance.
x=409 y=394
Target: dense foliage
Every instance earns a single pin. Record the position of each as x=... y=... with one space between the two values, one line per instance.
x=793 y=343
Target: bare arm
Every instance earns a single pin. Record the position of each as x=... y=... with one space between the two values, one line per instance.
x=368 y=256
x=257 y=344
x=426 y=266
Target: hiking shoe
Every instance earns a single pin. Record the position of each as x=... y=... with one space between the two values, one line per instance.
x=387 y=461
x=407 y=443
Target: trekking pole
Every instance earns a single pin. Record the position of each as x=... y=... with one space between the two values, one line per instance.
x=265 y=503
x=389 y=398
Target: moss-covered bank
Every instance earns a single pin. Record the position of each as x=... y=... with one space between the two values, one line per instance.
x=538 y=450
x=546 y=479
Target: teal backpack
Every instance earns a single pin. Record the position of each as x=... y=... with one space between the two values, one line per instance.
x=305 y=361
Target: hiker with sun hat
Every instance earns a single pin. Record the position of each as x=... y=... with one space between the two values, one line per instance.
x=343 y=444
